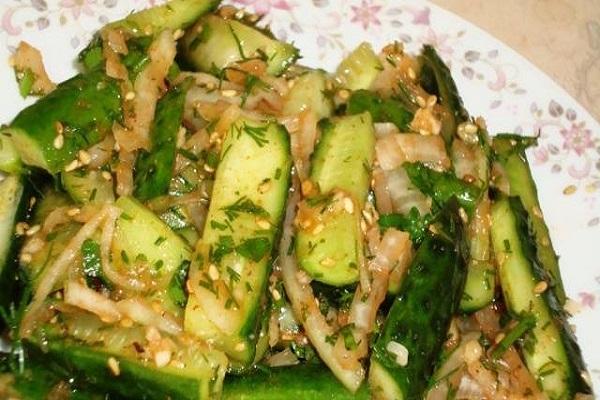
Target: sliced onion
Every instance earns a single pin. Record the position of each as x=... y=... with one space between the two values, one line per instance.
x=403 y=194
x=101 y=153
x=469 y=389
x=28 y=57
x=56 y=217
x=124 y=173
x=87 y=299
x=344 y=364
x=284 y=358
x=106 y=239
x=139 y=311
x=57 y=269
x=384 y=129
x=382 y=196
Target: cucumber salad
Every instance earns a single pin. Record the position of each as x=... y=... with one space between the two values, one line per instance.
x=197 y=215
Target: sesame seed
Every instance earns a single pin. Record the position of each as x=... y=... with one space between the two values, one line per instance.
x=307 y=187
x=327 y=262
x=126 y=323
x=344 y=94
x=431 y=100
x=152 y=334
x=130 y=96
x=228 y=93
x=58 y=142
x=262 y=223
x=106 y=175
x=58 y=127
x=473 y=351
x=363 y=226
x=570 y=190
x=239 y=14
x=499 y=337
x=113 y=365
x=208 y=168
x=421 y=102
x=21 y=227
x=240 y=346
x=213 y=272
x=33 y=230
x=291 y=83
x=318 y=229
x=162 y=358
x=463 y=215
x=348 y=205
x=32 y=201
x=276 y=295
x=540 y=287
x=73 y=212
x=178 y=34
x=471 y=128
x=84 y=157
x=424 y=132
x=26 y=258
x=398 y=350
x=411 y=74
x=572 y=307
x=72 y=166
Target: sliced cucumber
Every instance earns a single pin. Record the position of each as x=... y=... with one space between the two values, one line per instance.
x=550 y=350
x=330 y=249
x=418 y=321
x=175 y=14
x=359 y=69
x=121 y=373
x=154 y=170
x=10 y=162
x=14 y=203
x=88 y=187
x=309 y=92
x=231 y=265
x=510 y=150
x=215 y=42
x=145 y=242
x=81 y=110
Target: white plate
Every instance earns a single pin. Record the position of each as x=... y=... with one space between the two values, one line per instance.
x=494 y=81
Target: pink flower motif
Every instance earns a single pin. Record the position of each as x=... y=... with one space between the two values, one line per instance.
x=264 y=6
x=540 y=155
x=78 y=7
x=587 y=299
x=366 y=14
x=577 y=138
x=440 y=42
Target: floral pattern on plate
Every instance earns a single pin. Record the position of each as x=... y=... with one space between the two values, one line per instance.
x=494 y=81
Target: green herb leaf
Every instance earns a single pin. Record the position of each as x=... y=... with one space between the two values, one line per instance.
x=254 y=249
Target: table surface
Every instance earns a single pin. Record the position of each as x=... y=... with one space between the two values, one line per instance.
x=561 y=37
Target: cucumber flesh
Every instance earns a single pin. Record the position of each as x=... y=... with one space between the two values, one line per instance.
x=511 y=155
x=215 y=42
x=10 y=162
x=309 y=92
x=232 y=262
x=340 y=170
x=550 y=350
x=88 y=187
x=359 y=69
x=158 y=249
x=82 y=109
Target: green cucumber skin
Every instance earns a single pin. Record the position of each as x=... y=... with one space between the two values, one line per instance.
x=15 y=208
x=89 y=368
x=216 y=43
x=513 y=159
x=418 y=320
x=86 y=106
x=306 y=382
x=511 y=228
x=154 y=170
x=176 y=14
x=437 y=79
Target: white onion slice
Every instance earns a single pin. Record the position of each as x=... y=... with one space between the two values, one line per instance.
x=87 y=299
